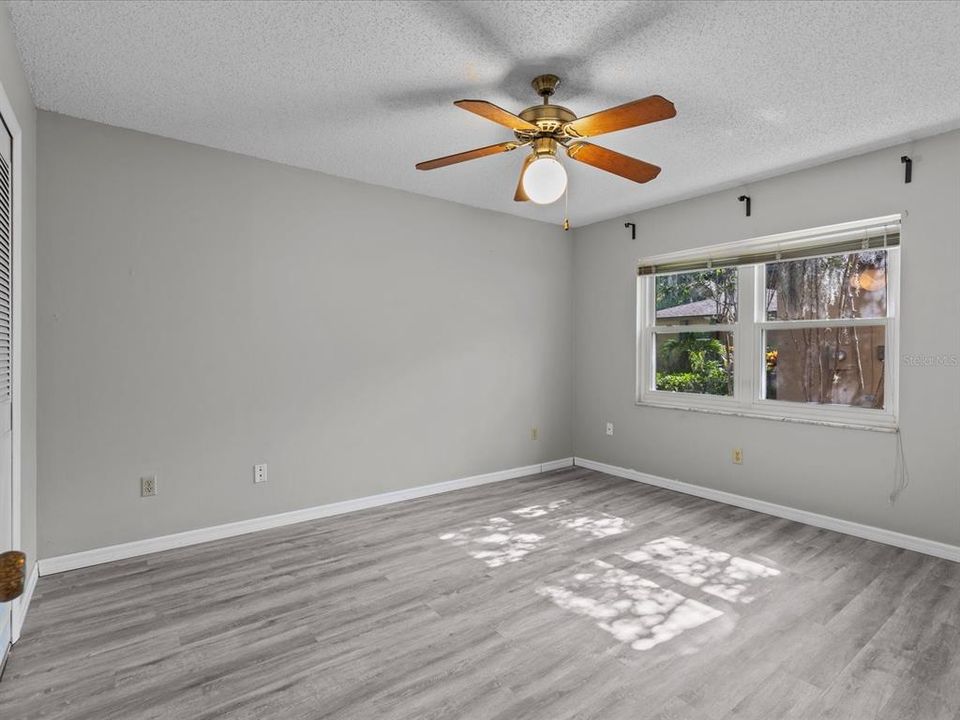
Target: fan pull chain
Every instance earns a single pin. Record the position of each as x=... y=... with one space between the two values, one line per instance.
x=566 y=219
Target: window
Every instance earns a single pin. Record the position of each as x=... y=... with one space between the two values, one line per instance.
x=797 y=326
x=695 y=319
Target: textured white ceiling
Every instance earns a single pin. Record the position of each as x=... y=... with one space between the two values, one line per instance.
x=364 y=89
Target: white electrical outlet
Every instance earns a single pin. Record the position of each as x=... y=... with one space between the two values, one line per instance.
x=609 y=428
x=738 y=456
x=260 y=473
x=148 y=486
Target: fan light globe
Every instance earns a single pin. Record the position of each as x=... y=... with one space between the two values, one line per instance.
x=545 y=180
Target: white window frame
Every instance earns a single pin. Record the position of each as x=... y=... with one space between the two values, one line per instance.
x=749 y=380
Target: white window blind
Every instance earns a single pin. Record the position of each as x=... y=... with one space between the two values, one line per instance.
x=881 y=234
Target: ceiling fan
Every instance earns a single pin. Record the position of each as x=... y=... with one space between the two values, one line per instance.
x=543 y=179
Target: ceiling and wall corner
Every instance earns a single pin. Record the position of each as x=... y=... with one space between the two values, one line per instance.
x=365 y=90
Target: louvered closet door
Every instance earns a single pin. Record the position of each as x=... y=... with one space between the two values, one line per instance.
x=6 y=364
x=6 y=275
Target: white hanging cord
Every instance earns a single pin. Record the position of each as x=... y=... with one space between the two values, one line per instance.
x=901 y=476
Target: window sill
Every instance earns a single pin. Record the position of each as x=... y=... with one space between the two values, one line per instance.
x=882 y=426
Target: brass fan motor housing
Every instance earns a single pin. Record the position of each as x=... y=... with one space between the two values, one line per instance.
x=549 y=118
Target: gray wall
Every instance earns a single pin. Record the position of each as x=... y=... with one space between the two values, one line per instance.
x=201 y=311
x=15 y=84
x=839 y=472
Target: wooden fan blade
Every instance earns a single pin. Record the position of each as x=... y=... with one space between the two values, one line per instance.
x=468 y=155
x=639 y=112
x=496 y=114
x=520 y=195
x=613 y=162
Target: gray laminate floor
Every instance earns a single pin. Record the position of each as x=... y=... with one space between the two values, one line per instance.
x=564 y=595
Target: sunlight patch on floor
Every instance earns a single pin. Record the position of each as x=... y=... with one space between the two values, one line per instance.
x=497 y=542
x=565 y=514
x=537 y=511
x=633 y=609
x=595 y=526
x=502 y=540
x=712 y=571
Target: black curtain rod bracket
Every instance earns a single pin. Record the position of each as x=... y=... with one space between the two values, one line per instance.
x=633 y=230
x=746 y=199
x=908 y=170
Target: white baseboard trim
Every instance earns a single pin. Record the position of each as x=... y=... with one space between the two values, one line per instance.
x=22 y=603
x=86 y=558
x=827 y=522
x=556 y=464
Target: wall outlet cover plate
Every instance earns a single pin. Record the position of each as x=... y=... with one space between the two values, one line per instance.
x=148 y=486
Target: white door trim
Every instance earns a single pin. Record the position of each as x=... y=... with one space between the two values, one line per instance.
x=10 y=118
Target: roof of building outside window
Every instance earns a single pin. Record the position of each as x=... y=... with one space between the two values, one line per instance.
x=705 y=308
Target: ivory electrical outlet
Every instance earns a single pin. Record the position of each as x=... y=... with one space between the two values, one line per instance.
x=738 y=456
x=534 y=433
x=148 y=486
